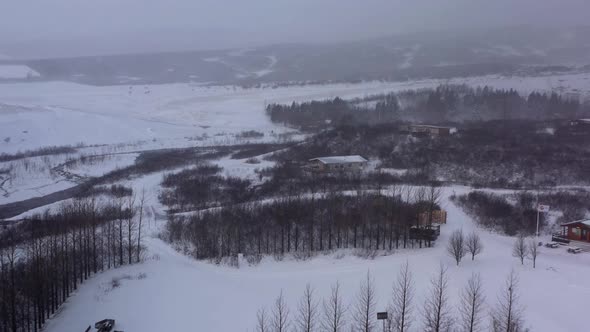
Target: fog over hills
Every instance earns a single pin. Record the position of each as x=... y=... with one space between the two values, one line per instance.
x=513 y=50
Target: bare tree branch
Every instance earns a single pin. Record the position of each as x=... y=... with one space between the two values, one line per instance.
x=401 y=306
x=334 y=319
x=472 y=305
x=365 y=306
x=520 y=249
x=456 y=246
x=473 y=245
x=280 y=315
x=507 y=316
x=437 y=315
x=307 y=316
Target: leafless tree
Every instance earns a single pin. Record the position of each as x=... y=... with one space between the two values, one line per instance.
x=507 y=316
x=520 y=249
x=402 y=300
x=140 y=223
x=533 y=251
x=130 y=219
x=262 y=321
x=437 y=315
x=433 y=195
x=473 y=244
x=456 y=246
x=307 y=316
x=280 y=313
x=472 y=305
x=334 y=312
x=365 y=306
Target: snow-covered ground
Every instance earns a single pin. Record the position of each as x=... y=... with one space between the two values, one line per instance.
x=56 y=113
x=16 y=71
x=99 y=165
x=31 y=177
x=180 y=294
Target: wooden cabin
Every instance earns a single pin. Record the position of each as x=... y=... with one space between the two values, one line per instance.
x=438 y=217
x=576 y=230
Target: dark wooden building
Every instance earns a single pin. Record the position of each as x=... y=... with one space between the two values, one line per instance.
x=576 y=230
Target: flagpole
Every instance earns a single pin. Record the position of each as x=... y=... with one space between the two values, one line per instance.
x=538 y=208
x=537 y=233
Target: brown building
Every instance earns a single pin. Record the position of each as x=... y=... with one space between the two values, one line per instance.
x=581 y=123
x=438 y=217
x=337 y=164
x=576 y=230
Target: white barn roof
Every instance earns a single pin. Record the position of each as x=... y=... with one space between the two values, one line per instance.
x=340 y=159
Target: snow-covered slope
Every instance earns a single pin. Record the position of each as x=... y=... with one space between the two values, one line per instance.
x=16 y=71
x=180 y=294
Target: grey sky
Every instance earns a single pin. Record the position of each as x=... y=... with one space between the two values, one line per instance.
x=62 y=27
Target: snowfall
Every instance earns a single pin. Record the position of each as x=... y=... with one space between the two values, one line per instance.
x=181 y=294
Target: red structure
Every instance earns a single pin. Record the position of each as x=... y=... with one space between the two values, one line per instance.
x=576 y=230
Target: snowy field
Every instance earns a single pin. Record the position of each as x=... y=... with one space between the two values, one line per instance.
x=180 y=294
x=115 y=119
x=33 y=115
x=16 y=71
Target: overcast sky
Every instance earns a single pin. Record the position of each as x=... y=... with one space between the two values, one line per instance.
x=62 y=27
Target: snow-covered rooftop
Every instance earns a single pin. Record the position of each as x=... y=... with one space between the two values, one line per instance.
x=431 y=126
x=583 y=221
x=340 y=159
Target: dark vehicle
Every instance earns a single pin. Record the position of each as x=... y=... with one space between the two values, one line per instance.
x=427 y=233
x=559 y=238
x=105 y=325
x=574 y=250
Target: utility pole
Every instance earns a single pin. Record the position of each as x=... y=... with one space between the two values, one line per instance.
x=537 y=233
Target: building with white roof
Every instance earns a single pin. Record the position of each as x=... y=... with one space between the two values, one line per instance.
x=337 y=164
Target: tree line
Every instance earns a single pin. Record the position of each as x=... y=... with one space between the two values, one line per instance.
x=494 y=211
x=403 y=313
x=43 y=259
x=303 y=224
x=445 y=103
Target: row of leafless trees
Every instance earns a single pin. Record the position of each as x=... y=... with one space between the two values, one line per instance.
x=403 y=313
x=304 y=224
x=460 y=245
x=524 y=248
x=45 y=258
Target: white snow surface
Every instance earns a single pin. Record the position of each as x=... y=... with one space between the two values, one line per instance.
x=181 y=294
x=38 y=114
x=16 y=71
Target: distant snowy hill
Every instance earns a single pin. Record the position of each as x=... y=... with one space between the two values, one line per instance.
x=400 y=57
